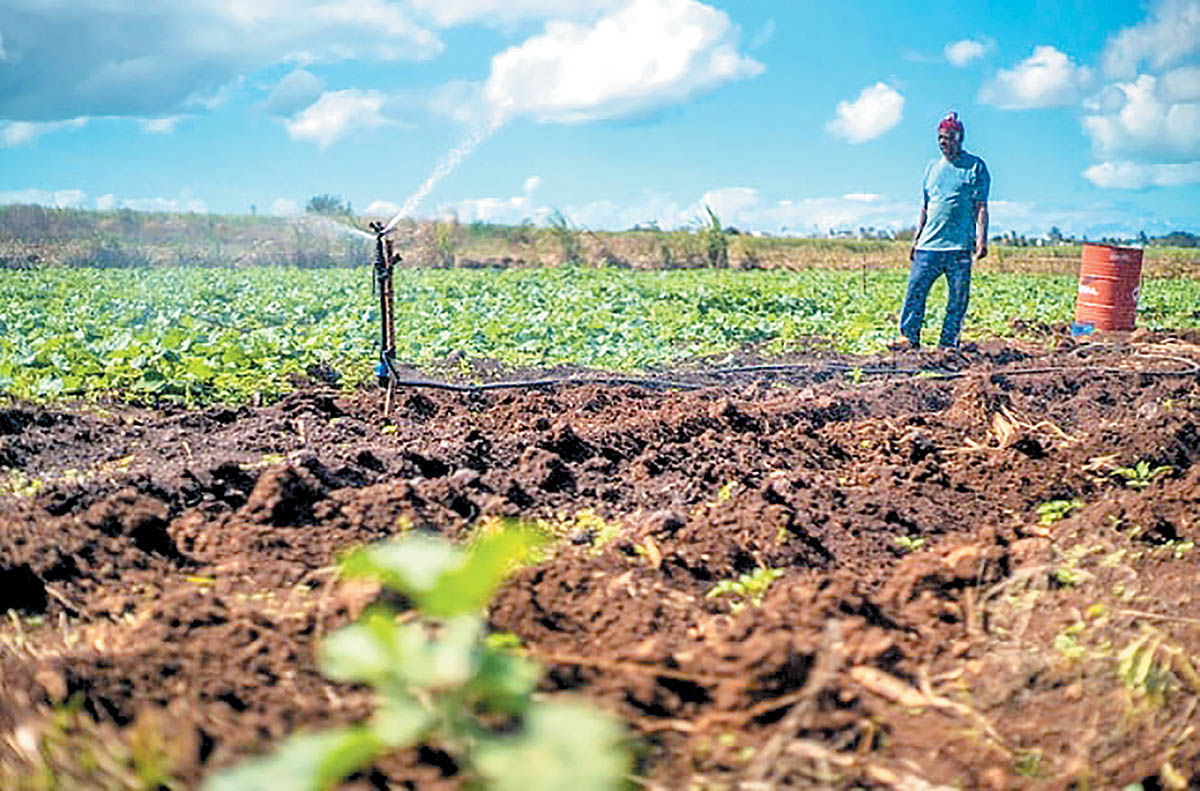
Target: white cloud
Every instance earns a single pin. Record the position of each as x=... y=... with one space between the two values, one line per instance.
x=145 y=60
x=75 y=198
x=448 y=13
x=1182 y=85
x=337 y=114
x=763 y=36
x=379 y=208
x=61 y=199
x=1145 y=126
x=185 y=203
x=645 y=55
x=293 y=93
x=286 y=207
x=15 y=133
x=916 y=56
x=727 y=203
x=1047 y=78
x=1136 y=175
x=1135 y=120
x=513 y=210
x=498 y=210
x=877 y=109
x=1170 y=34
x=747 y=209
x=160 y=126
x=961 y=53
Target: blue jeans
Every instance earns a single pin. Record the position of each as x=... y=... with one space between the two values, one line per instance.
x=927 y=265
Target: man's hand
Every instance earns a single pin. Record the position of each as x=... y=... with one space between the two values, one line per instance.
x=912 y=253
x=981 y=229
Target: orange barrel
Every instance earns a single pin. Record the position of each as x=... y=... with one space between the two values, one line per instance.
x=1109 y=279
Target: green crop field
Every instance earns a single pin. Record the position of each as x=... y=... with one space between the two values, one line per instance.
x=229 y=335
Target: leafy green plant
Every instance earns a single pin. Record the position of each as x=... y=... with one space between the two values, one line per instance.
x=909 y=543
x=202 y=335
x=439 y=679
x=1055 y=510
x=1065 y=641
x=1151 y=668
x=1028 y=763
x=749 y=588
x=1141 y=475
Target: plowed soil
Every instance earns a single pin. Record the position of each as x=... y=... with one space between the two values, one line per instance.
x=171 y=571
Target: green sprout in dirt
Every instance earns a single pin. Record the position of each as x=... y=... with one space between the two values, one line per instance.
x=1065 y=641
x=909 y=543
x=1150 y=668
x=1141 y=474
x=1055 y=510
x=1028 y=763
x=439 y=680
x=18 y=484
x=749 y=588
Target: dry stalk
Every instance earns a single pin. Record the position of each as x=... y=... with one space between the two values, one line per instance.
x=829 y=660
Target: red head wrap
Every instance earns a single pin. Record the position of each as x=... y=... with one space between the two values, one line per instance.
x=952 y=123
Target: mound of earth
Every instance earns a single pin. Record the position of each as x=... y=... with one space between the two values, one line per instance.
x=980 y=587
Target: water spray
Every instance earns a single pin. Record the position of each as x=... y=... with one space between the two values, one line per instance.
x=386 y=258
x=444 y=168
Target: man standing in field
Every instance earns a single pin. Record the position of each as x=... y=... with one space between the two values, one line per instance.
x=952 y=227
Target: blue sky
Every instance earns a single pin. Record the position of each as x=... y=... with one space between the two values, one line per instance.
x=783 y=116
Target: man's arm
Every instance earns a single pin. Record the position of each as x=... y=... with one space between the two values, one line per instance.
x=981 y=228
x=912 y=250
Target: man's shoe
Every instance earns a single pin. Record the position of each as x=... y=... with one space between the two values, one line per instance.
x=903 y=344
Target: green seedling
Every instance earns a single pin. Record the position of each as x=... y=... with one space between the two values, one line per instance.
x=584 y=522
x=17 y=484
x=1065 y=643
x=1068 y=576
x=909 y=543
x=1141 y=475
x=1055 y=510
x=1028 y=763
x=1151 y=669
x=440 y=680
x=749 y=588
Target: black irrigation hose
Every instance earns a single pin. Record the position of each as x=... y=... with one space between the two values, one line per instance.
x=533 y=384
x=667 y=384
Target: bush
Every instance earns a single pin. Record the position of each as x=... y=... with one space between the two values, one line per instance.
x=329 y=205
